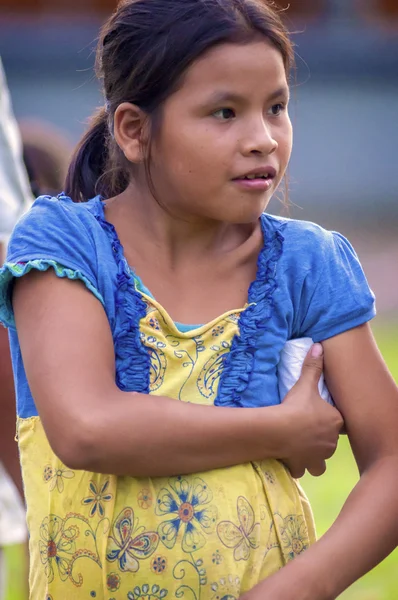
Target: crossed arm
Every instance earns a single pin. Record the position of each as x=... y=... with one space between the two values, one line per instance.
x=366 y=530
x=209 y=437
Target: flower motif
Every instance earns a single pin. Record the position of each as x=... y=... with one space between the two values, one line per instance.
x=294 y=536
x=113 y=582
x=201 y=571
x=234 y=318
x=158 y=564
x=56 y=546
x=217 y=331
x=144 y=499
x=217 y=557
x=56 y=477
x=269 y=477
x=147 y=593
x=48 y=473
x=97 y=498
x=227 y=588
x=185 y=502
x=154 y=323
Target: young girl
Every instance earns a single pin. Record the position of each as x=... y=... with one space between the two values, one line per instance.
x=154 y=298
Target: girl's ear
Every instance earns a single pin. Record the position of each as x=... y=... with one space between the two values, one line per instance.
x=131 y=131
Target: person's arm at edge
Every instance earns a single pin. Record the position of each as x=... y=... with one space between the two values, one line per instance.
x=8 y=447
x=92 y=425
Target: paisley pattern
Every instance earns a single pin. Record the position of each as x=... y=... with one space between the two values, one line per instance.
x=209 y=376
x=192 y=362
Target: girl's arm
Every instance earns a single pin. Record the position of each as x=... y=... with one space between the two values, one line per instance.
x=68 y=355
x=366 y=530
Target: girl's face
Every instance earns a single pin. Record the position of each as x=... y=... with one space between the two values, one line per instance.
x=227 y=123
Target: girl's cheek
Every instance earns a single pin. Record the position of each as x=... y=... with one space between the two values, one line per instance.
x=286 y=143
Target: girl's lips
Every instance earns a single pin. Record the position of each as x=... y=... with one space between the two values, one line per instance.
x=257 y=185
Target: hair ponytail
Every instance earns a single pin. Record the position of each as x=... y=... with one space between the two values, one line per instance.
x=89 y=160
x=91 y=170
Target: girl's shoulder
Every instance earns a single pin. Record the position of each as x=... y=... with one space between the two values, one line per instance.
x=59 y=229
x=320 y=276
x=60 y=213
x=302 y=235
x=307 y=246
x=67 y=237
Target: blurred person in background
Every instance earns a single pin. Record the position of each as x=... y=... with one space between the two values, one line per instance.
x=15 y=198
x=46 y=154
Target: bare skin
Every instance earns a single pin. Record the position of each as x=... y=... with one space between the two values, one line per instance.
x=209 y=232
x=185 y=438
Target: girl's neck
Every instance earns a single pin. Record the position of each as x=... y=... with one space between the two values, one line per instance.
x=179 y=238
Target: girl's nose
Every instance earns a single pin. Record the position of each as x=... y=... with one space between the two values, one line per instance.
x=260 y=140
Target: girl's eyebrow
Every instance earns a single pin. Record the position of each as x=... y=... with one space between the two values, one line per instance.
x=282 y=91
x=220 y=97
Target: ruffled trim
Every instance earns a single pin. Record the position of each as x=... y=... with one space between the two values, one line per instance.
x=132 y=358
x=11 y=270
x=239 y=362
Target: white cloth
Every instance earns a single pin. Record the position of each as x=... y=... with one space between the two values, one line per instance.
x=15 y=199
x=289 y=368
x=12 y=513
x=15 y=193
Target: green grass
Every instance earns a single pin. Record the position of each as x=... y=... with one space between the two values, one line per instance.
x=16 y=569
x=328 y=493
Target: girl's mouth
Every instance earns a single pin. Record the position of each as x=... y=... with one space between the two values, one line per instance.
x=259 y=179
x=254 y=183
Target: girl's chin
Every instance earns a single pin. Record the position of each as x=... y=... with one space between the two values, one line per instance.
x=246 y=214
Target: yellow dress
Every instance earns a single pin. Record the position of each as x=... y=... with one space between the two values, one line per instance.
x=208 y=536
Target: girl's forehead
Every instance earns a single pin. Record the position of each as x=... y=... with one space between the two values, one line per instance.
x=237 y=66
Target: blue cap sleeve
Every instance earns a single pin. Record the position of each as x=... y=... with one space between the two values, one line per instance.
x=50 y=235
x=336 y=296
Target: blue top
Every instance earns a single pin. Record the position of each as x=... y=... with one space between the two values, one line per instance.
x=309 y=283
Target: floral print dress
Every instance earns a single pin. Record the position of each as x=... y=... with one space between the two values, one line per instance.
x=209 y=535
x=205 y=536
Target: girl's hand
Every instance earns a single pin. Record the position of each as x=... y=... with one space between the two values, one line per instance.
x=316 y=425
x=270 y=591
x=288 y=584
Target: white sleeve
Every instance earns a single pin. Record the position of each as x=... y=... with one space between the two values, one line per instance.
x=13 y=529
x=289 y=368
x=15 y=194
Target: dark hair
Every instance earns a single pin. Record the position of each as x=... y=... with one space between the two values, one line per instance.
x=143 y=51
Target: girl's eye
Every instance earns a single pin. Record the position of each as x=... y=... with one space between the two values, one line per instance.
x=224 y=114
x=277 y=109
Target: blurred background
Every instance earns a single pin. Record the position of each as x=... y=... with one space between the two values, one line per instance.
x=344 y=170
